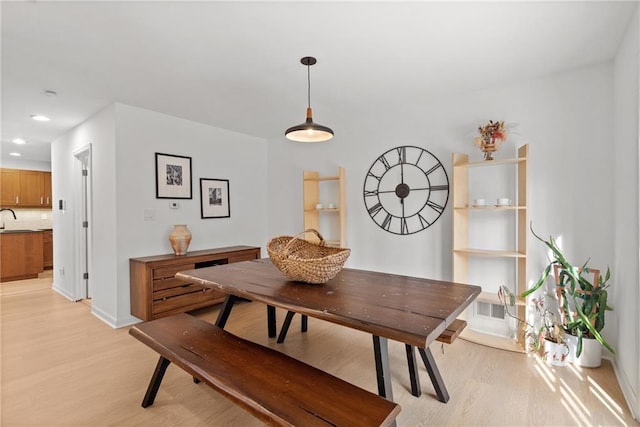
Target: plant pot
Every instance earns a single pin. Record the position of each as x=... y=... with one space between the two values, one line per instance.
x=556 y=354
x=591 y=356
x=180 y=238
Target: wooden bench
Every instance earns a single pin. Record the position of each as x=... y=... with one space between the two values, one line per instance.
x=448 y=336
x=276 y=388
x=453 y=330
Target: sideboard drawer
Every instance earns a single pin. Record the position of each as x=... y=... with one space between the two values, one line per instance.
x=169 y=272
x=176 y=300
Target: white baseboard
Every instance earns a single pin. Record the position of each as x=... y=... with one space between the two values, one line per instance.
x=62 y=292
x=632 y=399
x=103 y=315
x=112 y=321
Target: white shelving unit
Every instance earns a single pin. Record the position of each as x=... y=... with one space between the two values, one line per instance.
x=329 y=222
x=490 y=243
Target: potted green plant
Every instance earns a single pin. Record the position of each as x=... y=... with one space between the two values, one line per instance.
x=544 y=335
x=583 y=302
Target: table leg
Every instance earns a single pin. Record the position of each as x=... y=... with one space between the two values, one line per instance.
x=434 y=374
x=271 y=321
x=285 y=326
x=227 y=305
x=413 y=371
x=381 y=354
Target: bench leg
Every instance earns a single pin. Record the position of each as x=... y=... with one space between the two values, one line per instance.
x=413 y=371
x=271 y=321
x=434 y=374
x=383 y=371
x=154 y=384
x=225 y=311
x=285 y=326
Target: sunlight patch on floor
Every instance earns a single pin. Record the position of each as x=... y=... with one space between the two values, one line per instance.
x=575 y=401
x=576 y=370
x=606 y=400
x=546 y=374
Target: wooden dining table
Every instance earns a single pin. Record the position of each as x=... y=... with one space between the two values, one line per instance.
x=410 y=310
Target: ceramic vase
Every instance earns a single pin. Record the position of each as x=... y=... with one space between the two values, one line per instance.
x=488 y=149
x=180 y=237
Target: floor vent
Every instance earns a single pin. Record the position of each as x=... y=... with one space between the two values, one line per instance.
x=495 y=311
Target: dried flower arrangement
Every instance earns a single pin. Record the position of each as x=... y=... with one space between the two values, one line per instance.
x=492 y=135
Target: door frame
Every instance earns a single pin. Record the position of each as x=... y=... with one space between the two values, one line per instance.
x=82 y=237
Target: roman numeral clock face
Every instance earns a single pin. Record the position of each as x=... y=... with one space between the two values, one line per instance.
x=406 y=190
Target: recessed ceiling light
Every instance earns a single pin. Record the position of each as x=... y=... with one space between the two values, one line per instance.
x=40 y=118
x=19 y=141
x=14 y=154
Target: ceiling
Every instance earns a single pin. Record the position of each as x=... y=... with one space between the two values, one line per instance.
x=235 y=65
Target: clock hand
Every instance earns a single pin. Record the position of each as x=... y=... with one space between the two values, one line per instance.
x=433 y=187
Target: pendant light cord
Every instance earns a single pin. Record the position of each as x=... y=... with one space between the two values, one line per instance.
x=308 y=86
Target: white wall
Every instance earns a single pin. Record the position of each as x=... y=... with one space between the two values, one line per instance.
x=124 y=140
x=564 y=118
x=626 y=295
x=215 y=153
x=99 y=131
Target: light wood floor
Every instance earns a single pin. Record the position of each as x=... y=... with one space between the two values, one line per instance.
x=61 y=366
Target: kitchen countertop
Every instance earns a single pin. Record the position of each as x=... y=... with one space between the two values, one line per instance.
x=26 y=230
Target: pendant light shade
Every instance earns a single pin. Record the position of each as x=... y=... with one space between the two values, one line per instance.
x=309 y=131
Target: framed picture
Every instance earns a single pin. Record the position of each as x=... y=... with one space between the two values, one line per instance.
x=173 y=177
x=214 y=198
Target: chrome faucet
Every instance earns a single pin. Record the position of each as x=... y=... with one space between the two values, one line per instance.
x=12 y=212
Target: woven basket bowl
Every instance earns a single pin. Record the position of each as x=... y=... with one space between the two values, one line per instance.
x=305 y=261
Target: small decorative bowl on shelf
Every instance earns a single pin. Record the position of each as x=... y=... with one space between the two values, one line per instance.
x=304 y=261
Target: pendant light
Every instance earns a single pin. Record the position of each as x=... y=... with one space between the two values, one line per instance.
x=309 y=131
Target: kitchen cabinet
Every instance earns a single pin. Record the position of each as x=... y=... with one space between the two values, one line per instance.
x=47 y=249
x=25 y=188
x=156 y=293
x=47 y=194
x=9 y=187
x=21 y=255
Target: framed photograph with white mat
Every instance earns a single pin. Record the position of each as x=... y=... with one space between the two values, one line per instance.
x=173 y=177
x=214 y=198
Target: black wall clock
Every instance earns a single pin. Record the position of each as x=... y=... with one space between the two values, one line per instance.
x=406 y=190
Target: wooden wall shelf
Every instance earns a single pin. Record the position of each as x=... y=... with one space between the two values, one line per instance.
x=313 y=216
x=467 y=218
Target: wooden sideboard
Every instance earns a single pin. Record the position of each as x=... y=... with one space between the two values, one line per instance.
x=155 y=292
